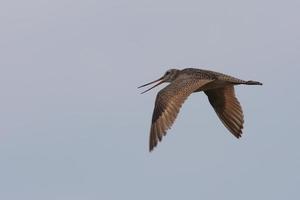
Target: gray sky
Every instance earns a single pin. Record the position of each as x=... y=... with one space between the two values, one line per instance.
x=74 y=126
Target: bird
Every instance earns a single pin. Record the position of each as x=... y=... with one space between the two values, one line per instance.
x=218 y=87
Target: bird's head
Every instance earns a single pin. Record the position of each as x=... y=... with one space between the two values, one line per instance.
x=169 y=76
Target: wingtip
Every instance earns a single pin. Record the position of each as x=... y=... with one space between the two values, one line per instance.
x=151 y=149
x=238 y=135
x=151 y=146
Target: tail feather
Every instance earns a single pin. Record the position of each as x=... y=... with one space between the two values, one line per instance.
x=253 y=83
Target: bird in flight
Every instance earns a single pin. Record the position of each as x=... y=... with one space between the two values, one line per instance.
x=218 y=87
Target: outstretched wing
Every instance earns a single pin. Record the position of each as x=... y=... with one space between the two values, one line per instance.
x=228 y=108
x=167 y=105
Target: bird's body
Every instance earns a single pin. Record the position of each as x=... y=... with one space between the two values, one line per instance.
x=217 y=86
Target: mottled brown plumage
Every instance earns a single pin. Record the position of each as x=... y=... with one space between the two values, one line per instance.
x=218 y=87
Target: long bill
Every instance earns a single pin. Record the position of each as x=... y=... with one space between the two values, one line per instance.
x=158 y=81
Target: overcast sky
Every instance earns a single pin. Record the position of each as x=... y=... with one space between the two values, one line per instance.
x=73 y=124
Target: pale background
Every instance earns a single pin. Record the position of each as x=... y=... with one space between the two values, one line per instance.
x=74 y=126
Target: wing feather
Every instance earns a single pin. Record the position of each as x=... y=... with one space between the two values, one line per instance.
x=167 y=105
x=228 y=108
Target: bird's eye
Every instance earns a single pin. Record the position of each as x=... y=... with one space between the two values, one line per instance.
x=167 y=73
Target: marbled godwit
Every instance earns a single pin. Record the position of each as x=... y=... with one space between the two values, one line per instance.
x=218 y=87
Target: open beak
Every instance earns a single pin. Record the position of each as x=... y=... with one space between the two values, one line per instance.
x=158 y=81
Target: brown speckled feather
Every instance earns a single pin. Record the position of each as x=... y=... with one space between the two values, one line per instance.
x=217 y=86
x=167 y=104
x=227 y=108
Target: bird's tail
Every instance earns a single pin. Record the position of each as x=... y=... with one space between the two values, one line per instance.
x=253 y=83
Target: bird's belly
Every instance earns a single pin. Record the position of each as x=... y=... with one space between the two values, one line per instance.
x=213 y=85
